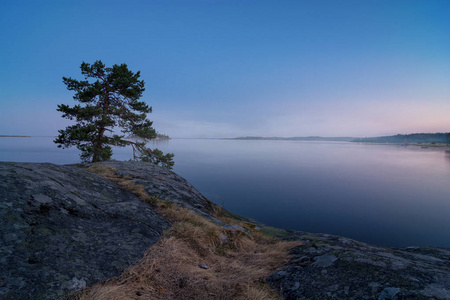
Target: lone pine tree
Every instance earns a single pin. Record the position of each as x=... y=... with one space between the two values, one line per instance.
x=109 y=98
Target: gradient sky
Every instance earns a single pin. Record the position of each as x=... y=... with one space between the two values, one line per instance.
x=236 y=68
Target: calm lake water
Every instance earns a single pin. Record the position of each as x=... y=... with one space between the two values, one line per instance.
x=381 y=194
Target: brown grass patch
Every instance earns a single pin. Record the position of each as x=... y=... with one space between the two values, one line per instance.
x=238 y=262
x=126 y=183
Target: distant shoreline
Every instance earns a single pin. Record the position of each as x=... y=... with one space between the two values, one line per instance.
x=421 y=139
x=4 y=135
x=425 y=146
x=306 y=138
x=430 y=145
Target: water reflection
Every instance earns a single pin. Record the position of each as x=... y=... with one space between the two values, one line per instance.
x=385 y=195
x=447 y=155
x=381 y=194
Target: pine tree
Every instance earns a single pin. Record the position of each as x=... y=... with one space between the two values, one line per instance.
x=109 y=99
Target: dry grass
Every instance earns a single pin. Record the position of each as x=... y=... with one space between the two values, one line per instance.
x=124 y=182
x=238 y=262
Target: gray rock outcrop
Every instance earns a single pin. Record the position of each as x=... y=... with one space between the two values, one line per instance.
x=162 y=183
x=169 y=186
x=333 y=267
x=63 y=228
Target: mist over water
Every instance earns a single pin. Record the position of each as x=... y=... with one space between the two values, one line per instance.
x=381 y=194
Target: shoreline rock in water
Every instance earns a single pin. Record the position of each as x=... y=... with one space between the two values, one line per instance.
x=63 y=227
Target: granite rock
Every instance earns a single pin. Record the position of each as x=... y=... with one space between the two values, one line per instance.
x=168 y=186
x=63 y=228
x=332 y=267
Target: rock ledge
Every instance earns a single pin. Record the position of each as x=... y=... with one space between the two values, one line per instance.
x=63 y=228
x=333 y=267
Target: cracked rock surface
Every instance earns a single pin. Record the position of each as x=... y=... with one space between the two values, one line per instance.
x=63 y=228
x=332 y=267
x=167 y=185
x=162 y=183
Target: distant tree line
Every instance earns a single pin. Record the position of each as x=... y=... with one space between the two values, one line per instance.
x=159 y=136
x=300 y=138
x=408 y=138
x=162 y=136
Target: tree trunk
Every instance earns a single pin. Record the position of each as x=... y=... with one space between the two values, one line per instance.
x=102 y=129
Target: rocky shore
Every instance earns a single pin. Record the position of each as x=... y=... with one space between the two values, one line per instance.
x=64 y=228
x=334 y=267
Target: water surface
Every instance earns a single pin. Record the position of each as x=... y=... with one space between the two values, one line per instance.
x=381 y=194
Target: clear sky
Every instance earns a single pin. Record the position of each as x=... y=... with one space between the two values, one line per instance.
x=235 y=68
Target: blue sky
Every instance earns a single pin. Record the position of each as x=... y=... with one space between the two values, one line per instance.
x=236 y=68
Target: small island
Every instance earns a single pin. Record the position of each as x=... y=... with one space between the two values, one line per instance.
x=160 y=136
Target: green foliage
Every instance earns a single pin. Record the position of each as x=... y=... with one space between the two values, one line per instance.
x=162 y=136
x=154 y=156
x=109 y=98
